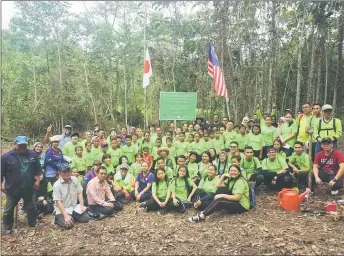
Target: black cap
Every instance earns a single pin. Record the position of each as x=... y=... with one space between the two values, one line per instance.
x=64 y=167
x=326 y=140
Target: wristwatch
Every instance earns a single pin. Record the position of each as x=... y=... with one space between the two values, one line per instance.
x=334 y=180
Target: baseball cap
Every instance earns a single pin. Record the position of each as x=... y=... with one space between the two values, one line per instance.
x=326 y=107
x=124 y=166
x=21 y=140
x=64 y=167
x=271 y=150
x=55 y=138
x=326 y=140
x=68 y=126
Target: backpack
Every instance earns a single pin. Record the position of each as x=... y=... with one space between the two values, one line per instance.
x=334 y=126
x=251 y=194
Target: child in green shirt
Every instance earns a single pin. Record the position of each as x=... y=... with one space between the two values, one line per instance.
x=193 y=167
x=181 y=145
x=129 y=150
x=88 y=154
x=218 y=142
x=106 y=159
x=256 y=141
x=182 y=188
x=135 y=167
x=161 y=193
x=190 y=141
x=207 y=188
x=79 y=161
x=236 y=200
x=279 y=149
x=115 y=152
x=299 y=163
x=241 y=138
x=204 y=164
x=250 y=164
x=75 y=173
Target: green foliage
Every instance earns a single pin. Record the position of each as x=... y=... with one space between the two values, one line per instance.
x=56 y=64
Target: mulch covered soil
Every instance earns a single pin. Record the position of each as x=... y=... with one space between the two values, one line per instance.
x=267 y=229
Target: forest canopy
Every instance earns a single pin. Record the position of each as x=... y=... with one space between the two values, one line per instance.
x=60 y=67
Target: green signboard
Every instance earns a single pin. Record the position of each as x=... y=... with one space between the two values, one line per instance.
x=178 y=105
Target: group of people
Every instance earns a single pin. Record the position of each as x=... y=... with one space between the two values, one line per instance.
x=204 y=165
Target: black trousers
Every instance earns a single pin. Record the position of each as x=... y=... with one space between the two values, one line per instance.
x=325 y=177
x=221 y=203
x=152 y=205
x=11 y=203
x=106 y=210
x=284 y=180
x=59 y=219
x=41 y=208
x=171 y=207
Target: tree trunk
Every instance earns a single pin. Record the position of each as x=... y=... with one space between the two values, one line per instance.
x=299 y=61
x=339 y=73
x=310 y=89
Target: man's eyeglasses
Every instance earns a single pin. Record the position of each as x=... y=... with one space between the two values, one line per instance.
x=102 y=173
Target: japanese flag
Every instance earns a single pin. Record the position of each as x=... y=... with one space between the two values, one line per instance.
x=147 y=70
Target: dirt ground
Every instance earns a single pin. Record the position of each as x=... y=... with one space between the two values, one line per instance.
x=267 y=229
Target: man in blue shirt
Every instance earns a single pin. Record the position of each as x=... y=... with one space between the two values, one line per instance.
x=21 y=169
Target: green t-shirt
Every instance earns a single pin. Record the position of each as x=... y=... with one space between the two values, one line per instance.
x=287 y=130
x=250 y=166
x=229 y=137
x=160 y=189
x=129 y=152
x=218 y=145
x=109 y=169
x=155 y=152
x=135 y=169
x=193 y=169
x=241 y=139
x=255 y=141
x=149 y=144
x=203 y=169
x=208 y=185
x=302 y=161
x=181 y=148
x=172 y=152
x=180 y=188
x=303 y=125
x=282 y=154
x=69 y=149
x=207 y=145
x=115 y=155
x=89 y=157
x=197 y=147
x=96 y=151
x=274 y=166
x=240 y=186
x=269 y=134
x=79 y=163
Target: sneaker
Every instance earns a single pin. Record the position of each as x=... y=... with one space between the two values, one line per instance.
x=7 y=232
x=161 y=212
x=334 y=192
x=197 y=218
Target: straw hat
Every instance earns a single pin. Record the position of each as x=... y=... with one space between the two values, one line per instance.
x=163 y=149
x=55 y=138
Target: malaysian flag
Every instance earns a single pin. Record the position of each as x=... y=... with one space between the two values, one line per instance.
x=215 y=71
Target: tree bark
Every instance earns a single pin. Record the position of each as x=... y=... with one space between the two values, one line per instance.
x=299 y=61
x=339 y=73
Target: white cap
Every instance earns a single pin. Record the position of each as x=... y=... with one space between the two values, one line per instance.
x=55 y=138
x=326 y=107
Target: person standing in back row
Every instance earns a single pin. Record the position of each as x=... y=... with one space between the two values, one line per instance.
x=21 y=169
x=304 y=122
x=328 y=127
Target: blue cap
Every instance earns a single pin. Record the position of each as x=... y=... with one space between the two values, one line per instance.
x=19 y=140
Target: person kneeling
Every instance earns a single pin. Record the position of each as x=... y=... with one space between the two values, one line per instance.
x=67 y=191
x=98 y=190
x=236 y=201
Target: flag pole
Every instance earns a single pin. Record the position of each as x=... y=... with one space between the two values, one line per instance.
x=144 y=54
x=227 y=104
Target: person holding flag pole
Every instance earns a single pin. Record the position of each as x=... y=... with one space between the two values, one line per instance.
x=215 y=71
